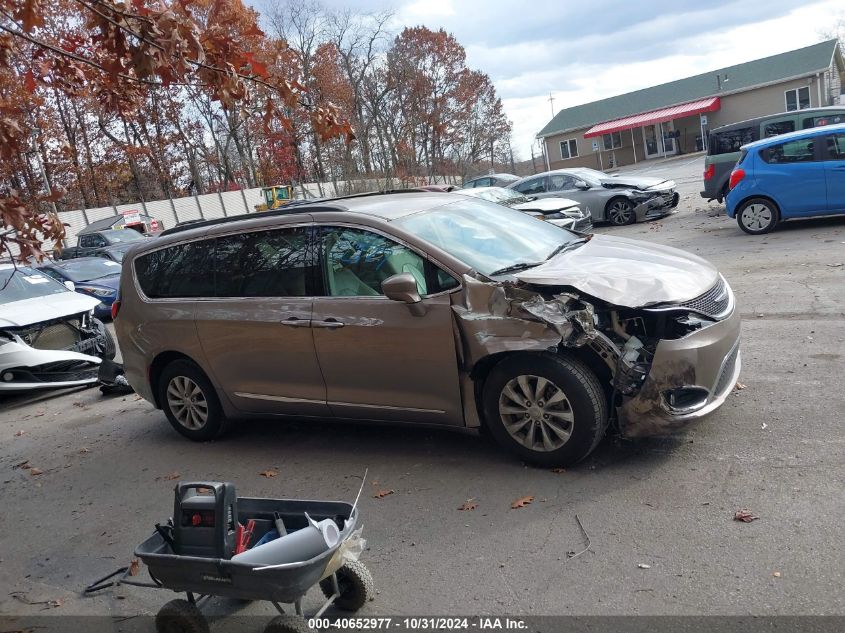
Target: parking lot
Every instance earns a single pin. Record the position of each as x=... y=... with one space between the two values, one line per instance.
x=658 y=514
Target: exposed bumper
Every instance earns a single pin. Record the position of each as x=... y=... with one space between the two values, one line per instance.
x=706 y=361
x=23 y=368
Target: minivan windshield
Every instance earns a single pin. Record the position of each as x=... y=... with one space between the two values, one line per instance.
x=118 y=236
x=487 y=236
x=17 y=284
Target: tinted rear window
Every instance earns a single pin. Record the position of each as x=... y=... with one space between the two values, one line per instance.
x=180 y=271
x=731 y=140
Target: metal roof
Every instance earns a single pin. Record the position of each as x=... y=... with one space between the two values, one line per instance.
x=793 y=64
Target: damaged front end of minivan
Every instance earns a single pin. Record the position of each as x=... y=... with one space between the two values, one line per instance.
x=663 y=365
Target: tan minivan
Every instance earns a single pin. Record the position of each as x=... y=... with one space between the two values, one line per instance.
x=429 y=308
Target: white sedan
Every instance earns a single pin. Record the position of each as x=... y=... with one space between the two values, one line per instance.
x=560 y=211
x=49 y=337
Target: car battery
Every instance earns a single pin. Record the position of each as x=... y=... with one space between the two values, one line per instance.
x=205 y=518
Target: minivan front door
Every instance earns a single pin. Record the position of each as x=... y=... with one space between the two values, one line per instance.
x=380 y=361
x=256 y=331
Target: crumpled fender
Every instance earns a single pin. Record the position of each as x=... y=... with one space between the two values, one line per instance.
x=16 y=353
x=494 y=318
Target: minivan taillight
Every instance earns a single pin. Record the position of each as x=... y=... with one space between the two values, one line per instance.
x=115 y=308
x=736 y=175
x=709 y=172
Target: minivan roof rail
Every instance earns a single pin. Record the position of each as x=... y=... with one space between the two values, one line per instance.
x=305 y=207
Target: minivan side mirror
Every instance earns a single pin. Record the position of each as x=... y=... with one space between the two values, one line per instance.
x=403 y=287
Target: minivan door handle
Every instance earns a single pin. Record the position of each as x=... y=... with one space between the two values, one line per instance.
x=296 y=322
x=328 y=323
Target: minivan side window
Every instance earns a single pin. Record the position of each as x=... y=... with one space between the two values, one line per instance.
x=276 y=263
x=779 y=127
x=177 y=272
x=821 y=121
x=355 y=262
x=797 y=151
x=731 y=140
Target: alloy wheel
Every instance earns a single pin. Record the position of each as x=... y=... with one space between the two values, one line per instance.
x=620 y=212
x=536 y=413
x=187 y=402
x=756 y=216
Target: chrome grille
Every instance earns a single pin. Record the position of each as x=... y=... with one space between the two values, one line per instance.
x=714 y=303
x=727 y=372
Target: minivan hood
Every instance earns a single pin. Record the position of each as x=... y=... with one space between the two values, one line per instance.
x=627 y=273
x=46 y=308
x=546 y=205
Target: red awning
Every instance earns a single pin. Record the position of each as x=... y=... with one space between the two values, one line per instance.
x=657 y=116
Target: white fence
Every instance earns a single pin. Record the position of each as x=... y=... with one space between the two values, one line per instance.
x=212 y=205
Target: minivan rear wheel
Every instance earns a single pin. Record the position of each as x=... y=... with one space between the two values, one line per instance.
x=548 y=409
x=757 y=216
x=190 y=402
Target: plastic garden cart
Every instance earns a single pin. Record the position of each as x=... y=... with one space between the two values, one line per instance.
x=348 y=588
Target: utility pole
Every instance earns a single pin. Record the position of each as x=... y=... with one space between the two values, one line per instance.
x=552 y=104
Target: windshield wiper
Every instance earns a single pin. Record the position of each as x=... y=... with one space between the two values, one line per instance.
x=514 y=268
x=566 y=246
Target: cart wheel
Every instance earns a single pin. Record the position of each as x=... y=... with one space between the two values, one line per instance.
x=356 y=586
x=288 y=624
x=180 y=616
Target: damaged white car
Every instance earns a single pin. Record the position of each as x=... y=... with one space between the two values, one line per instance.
x=49 y=337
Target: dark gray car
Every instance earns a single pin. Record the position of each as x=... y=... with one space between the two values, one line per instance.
x=491 y=180
x=618 y=199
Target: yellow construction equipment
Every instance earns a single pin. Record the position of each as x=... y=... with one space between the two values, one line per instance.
x=275 y=197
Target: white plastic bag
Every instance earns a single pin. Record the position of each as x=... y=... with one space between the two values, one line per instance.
x=350 y=550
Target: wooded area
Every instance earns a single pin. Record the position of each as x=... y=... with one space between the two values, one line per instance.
x=105 y=102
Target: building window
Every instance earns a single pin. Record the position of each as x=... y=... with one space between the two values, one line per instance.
x=612 y=140
x=568 y=148
x=798 y=99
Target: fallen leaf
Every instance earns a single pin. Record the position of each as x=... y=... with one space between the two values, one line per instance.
x=381 y=494
x=78 y=403
x=776 y=574
x=172 y=476
x=558 y=471
x=643 y=565
x=56 y=603
x=270 y=472
x=522 y=502
x=469 y=504
x=36 y=471
x=38 y=413
x=745 y=516
x=134 y=567
x=740 y=386
x=19 y=433
x=84 y=449
x=24 y=464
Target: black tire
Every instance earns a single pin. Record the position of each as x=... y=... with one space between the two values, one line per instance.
x=214 y=424
x=110 y=350
x=356 y=586
x=584 y=403
x=763 y=215
x=288 y=624
x=620 y=211
x=180 y=616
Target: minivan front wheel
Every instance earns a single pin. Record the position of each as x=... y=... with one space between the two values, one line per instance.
x=190 y=402
x=549 y=410
x=757 y=216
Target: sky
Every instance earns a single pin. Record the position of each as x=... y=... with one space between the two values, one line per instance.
x=581 y=51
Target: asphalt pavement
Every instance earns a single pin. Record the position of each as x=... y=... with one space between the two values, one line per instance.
x=658 y=515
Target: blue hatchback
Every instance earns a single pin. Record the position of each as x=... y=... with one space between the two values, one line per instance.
x=795 y=175
x=93 y=276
